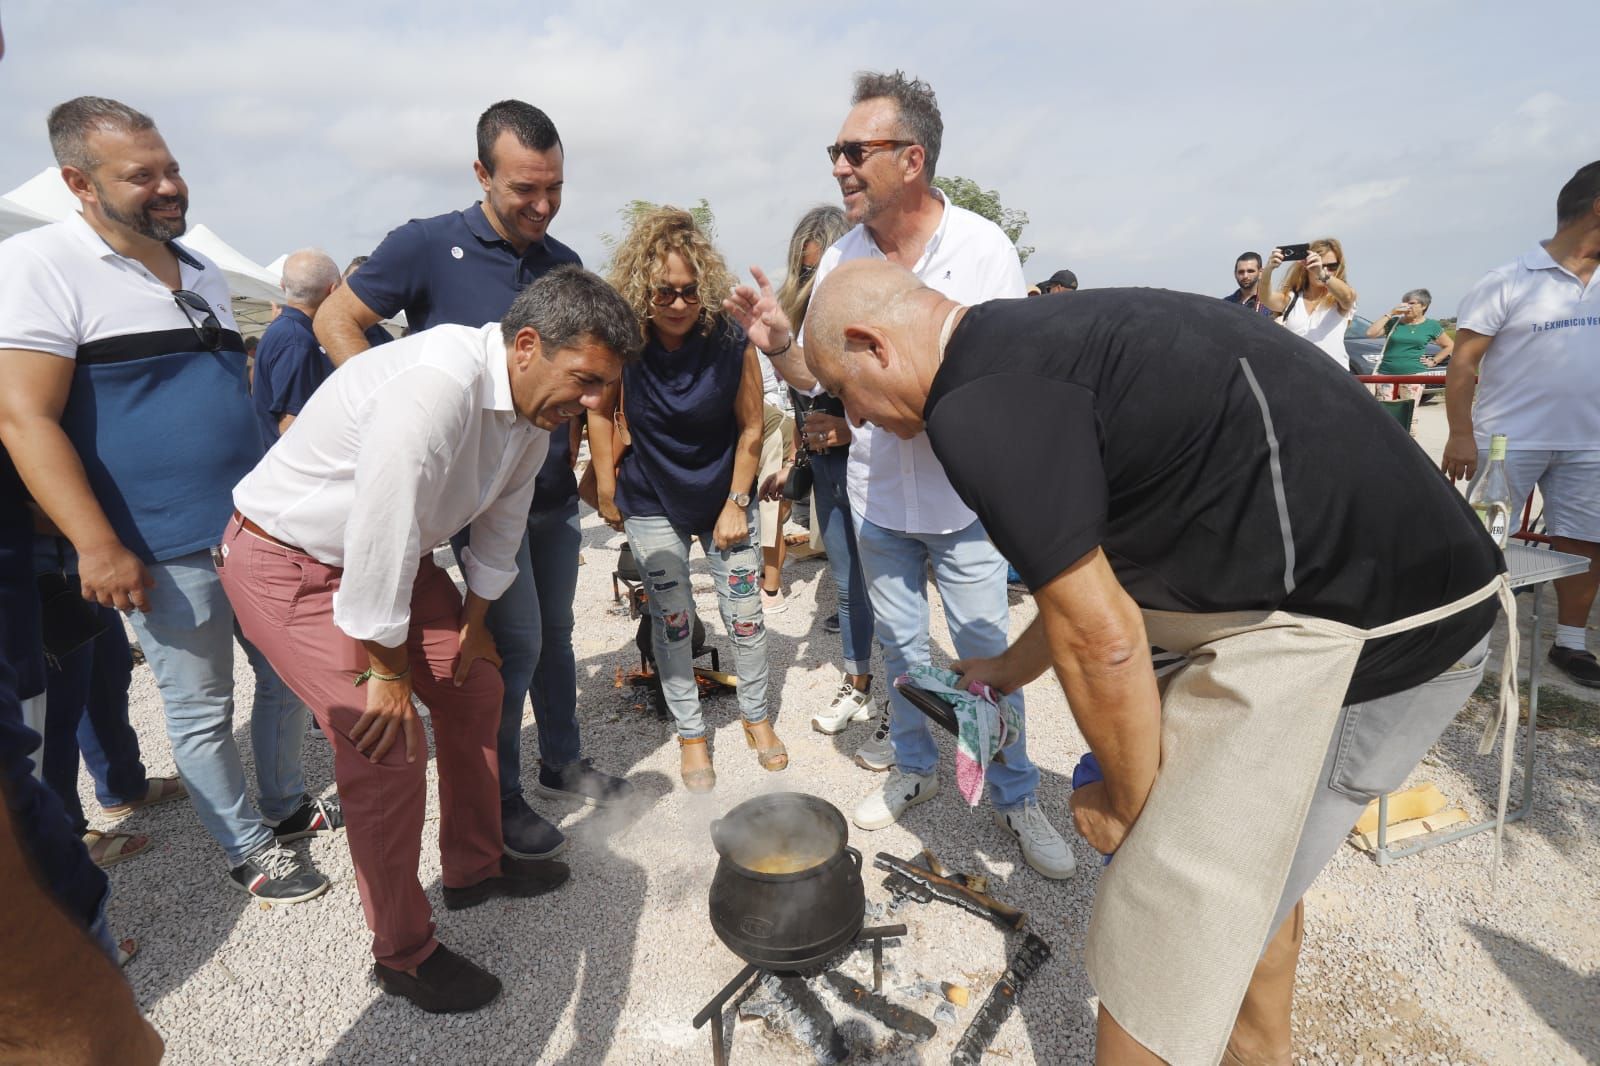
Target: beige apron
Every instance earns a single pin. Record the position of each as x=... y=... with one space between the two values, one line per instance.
x=1181 y=915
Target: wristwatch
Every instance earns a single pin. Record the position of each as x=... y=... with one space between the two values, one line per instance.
x=740 y=498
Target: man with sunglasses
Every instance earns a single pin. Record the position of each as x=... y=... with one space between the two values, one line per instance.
x=906 y=513
x=466 y=268
x=123 y=404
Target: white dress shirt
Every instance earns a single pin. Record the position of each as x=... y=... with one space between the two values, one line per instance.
x=899 y=484
x=396 y=451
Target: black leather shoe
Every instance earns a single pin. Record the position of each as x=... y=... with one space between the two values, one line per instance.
x=445 y=983
x=582 y=782
x=519 y=879
x=525 y=835
x=1581 y=666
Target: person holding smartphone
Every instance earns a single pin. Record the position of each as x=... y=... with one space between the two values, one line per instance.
x=1315 y=301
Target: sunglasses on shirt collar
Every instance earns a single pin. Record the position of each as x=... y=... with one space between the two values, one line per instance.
x=208 y=329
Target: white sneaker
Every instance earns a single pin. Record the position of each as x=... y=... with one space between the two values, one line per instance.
x=877 y=754
x=849 y=705
x=1042 y=847
x=883 y=808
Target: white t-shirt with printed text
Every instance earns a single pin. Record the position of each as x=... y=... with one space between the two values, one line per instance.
x=1539 y=382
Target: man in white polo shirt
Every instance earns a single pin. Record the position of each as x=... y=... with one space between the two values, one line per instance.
x=1533 y=326
x=123 y=404
x=907 y=514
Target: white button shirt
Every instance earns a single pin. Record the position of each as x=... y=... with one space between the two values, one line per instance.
x=899 y=484
x=394 y=453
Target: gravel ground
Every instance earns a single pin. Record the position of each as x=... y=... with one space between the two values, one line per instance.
x=1416 y=962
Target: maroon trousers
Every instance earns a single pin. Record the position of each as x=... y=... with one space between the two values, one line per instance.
x=284 y=603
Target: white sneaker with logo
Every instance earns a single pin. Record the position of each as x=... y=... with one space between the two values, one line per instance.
x=849 y=705
x=1042 y=847
x=902 y=790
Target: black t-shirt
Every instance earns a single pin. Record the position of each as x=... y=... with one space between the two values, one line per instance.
x=1222 y=463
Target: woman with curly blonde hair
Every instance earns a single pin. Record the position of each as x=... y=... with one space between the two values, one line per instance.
x=692 y=410
x=1316 y=301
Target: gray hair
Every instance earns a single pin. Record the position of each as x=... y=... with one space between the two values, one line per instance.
x=309 y=275
x=1421 y=296
x=918 y=108
x=71 y=123
x=570 y=304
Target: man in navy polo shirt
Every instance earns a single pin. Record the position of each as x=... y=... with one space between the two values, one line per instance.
x=376 y=334
x=123 y=405
x=290 y=364
x=466 y=267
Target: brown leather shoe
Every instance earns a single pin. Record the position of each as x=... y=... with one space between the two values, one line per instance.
x=700 y=778
x=772 y=758
x=445 y=983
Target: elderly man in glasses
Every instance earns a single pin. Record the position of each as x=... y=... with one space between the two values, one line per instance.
x=907 y=515
x=123 y=405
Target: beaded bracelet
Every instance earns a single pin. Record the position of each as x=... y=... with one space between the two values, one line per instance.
x=365 y=675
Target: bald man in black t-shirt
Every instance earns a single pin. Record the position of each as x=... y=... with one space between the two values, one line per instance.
x=1195 y=470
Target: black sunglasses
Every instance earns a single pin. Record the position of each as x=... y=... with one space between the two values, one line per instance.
x=856 y=152
x=208 y=329
x=666 y=295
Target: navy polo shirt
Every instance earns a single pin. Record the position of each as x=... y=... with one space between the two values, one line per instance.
x=455 y=268
x=376 y=335
x=290 y=364
x=1248 y=302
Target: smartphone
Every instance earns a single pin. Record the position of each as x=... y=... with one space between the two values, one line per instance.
x=1294 y=252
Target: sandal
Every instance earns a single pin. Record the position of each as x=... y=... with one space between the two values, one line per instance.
x=700 y=779
x=775 y=758
x=157 y=790
x=108 y=849
x=127 y=948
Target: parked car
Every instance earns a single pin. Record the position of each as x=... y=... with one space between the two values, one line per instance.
x=1364 y=352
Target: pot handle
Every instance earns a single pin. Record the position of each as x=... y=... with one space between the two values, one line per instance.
x=717 y=838
x=854 y=854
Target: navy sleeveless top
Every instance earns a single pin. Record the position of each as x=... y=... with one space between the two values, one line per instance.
x=680 y=411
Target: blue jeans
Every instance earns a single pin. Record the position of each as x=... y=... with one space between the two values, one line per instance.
x=187 y=636
x=856 y=623
x=662 y=553
x=87 y=709
x=531 y=624
x=971 y=577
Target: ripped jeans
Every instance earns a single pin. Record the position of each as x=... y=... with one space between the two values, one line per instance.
x=662 y=553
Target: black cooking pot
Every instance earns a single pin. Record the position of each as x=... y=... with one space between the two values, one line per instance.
x=787 y=893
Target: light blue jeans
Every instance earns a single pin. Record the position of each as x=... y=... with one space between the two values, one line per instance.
x=971 y=577
x=187 y=636
x=662 y=553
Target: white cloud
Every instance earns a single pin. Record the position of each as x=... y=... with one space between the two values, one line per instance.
x=1147 y=143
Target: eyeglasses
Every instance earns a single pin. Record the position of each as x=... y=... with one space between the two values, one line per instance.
x=208 y=329
x=1330 y=267
x=856 y=152
x=666 y=295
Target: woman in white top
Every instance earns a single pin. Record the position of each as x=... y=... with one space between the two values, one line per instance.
x=1315 y=302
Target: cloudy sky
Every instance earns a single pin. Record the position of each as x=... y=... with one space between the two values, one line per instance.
x=1148 y=142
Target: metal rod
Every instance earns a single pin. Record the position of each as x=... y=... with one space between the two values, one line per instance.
x=1533 y=704
x=714 y=1008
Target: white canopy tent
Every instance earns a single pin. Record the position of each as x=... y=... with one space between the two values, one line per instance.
x=15 y=219
x=45 y=198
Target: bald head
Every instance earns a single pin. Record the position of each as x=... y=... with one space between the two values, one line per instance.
x=309 y=275
x=872 y=293
x=872 y=339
